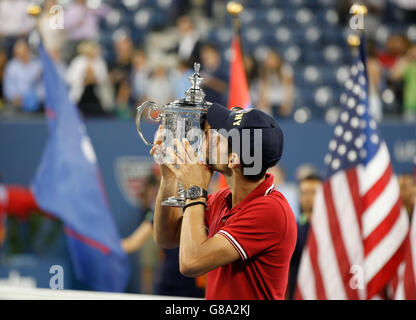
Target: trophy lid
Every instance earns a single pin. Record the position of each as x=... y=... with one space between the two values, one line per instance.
x=195 y=94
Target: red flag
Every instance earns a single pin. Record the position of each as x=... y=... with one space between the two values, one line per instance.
x=239 y=94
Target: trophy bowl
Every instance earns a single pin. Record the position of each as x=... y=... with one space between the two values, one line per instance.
x=180 y=119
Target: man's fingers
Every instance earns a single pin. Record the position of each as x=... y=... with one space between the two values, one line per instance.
x=181 y=153
x=159 y=135
x=190 y=152
x=174 y=157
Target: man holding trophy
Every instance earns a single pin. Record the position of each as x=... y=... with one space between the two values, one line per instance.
x=242 y=236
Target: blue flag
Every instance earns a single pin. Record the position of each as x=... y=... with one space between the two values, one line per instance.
x=68 y=185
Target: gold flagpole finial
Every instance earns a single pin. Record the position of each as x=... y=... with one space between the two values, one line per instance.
x=234 y=8
x=353 y=40
x=358 y=9
x=34 y=10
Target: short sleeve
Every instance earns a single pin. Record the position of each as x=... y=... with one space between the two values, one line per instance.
x=258 y=227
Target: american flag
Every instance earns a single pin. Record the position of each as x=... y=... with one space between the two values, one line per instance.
x=357 y=236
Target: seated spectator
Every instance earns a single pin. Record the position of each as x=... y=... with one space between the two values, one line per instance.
x=405 y=69
x=82 y=23
x=158 y=88
x=120 y=75
x=395 y=48
x=179 y=78
x=188 y=47
x=140 y=76
x=89 y=82
x=3 y=61
x=22 y=83
x=275 y=86
x=15 y=22
x=215 y=77
x=375 y=79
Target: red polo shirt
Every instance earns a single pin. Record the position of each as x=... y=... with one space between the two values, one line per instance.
x=262 y=228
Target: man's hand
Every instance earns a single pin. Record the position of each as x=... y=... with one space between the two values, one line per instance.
x=157 y=153
x=187 y=167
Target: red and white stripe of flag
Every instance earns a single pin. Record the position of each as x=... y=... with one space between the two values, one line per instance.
x=357 y=236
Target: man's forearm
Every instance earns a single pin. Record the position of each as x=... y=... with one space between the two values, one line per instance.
x=193 y=235
x=167 y=220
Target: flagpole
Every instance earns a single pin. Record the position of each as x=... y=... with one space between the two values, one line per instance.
x=35 y=10
x=234 y=8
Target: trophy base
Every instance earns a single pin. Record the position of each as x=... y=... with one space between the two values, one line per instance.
x=173 y=202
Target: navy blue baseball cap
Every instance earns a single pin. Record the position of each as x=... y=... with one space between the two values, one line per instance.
x=219 y=117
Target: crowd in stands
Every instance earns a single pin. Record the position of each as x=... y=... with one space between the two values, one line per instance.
x=113 y=84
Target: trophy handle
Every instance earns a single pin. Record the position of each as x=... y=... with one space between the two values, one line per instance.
x=153 y=107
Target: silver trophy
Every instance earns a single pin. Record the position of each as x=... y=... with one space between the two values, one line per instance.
x=181 y=118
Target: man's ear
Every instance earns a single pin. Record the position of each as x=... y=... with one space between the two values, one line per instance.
x=233 y=160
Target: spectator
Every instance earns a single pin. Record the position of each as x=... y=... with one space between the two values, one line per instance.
x=22 y=85
x=307 y=190
x=169 y=280
x=188 y=46
x=52 y=38
x=158 y=87
x=15 y=22
x=88 y=80
x=251 y=68
x=120 y=75
x=375 y=79
x=82 y=23
x=275 y=86
x=407 y=184
x=179 y=78
x=405 y=69
x=215 y=78
x=396 y=47
x=289 y=190
x=3 y=61
x=140 y=76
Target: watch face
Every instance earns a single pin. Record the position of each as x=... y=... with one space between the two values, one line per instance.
x=194 y=192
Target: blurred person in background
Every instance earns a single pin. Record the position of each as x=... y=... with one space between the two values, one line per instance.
x=159 y=88
x=188 y=46
x=3 y=62
x=275 y=86
x=407 y=184
x=81 y=23
x=215 y=77
x=140 y=76
x=52 y=38
x=179 y=78
x=15 y=23
x=289 y=190
x=168 y=280
x=89 y=81
x=120 y=70
x=395 y=48
x=405 y=69
x=307 y=191
x=251 y=68
x=22 y=82
x=375 y=79
x=141 y=238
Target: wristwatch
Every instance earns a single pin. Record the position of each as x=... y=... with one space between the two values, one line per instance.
x=196 y=192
